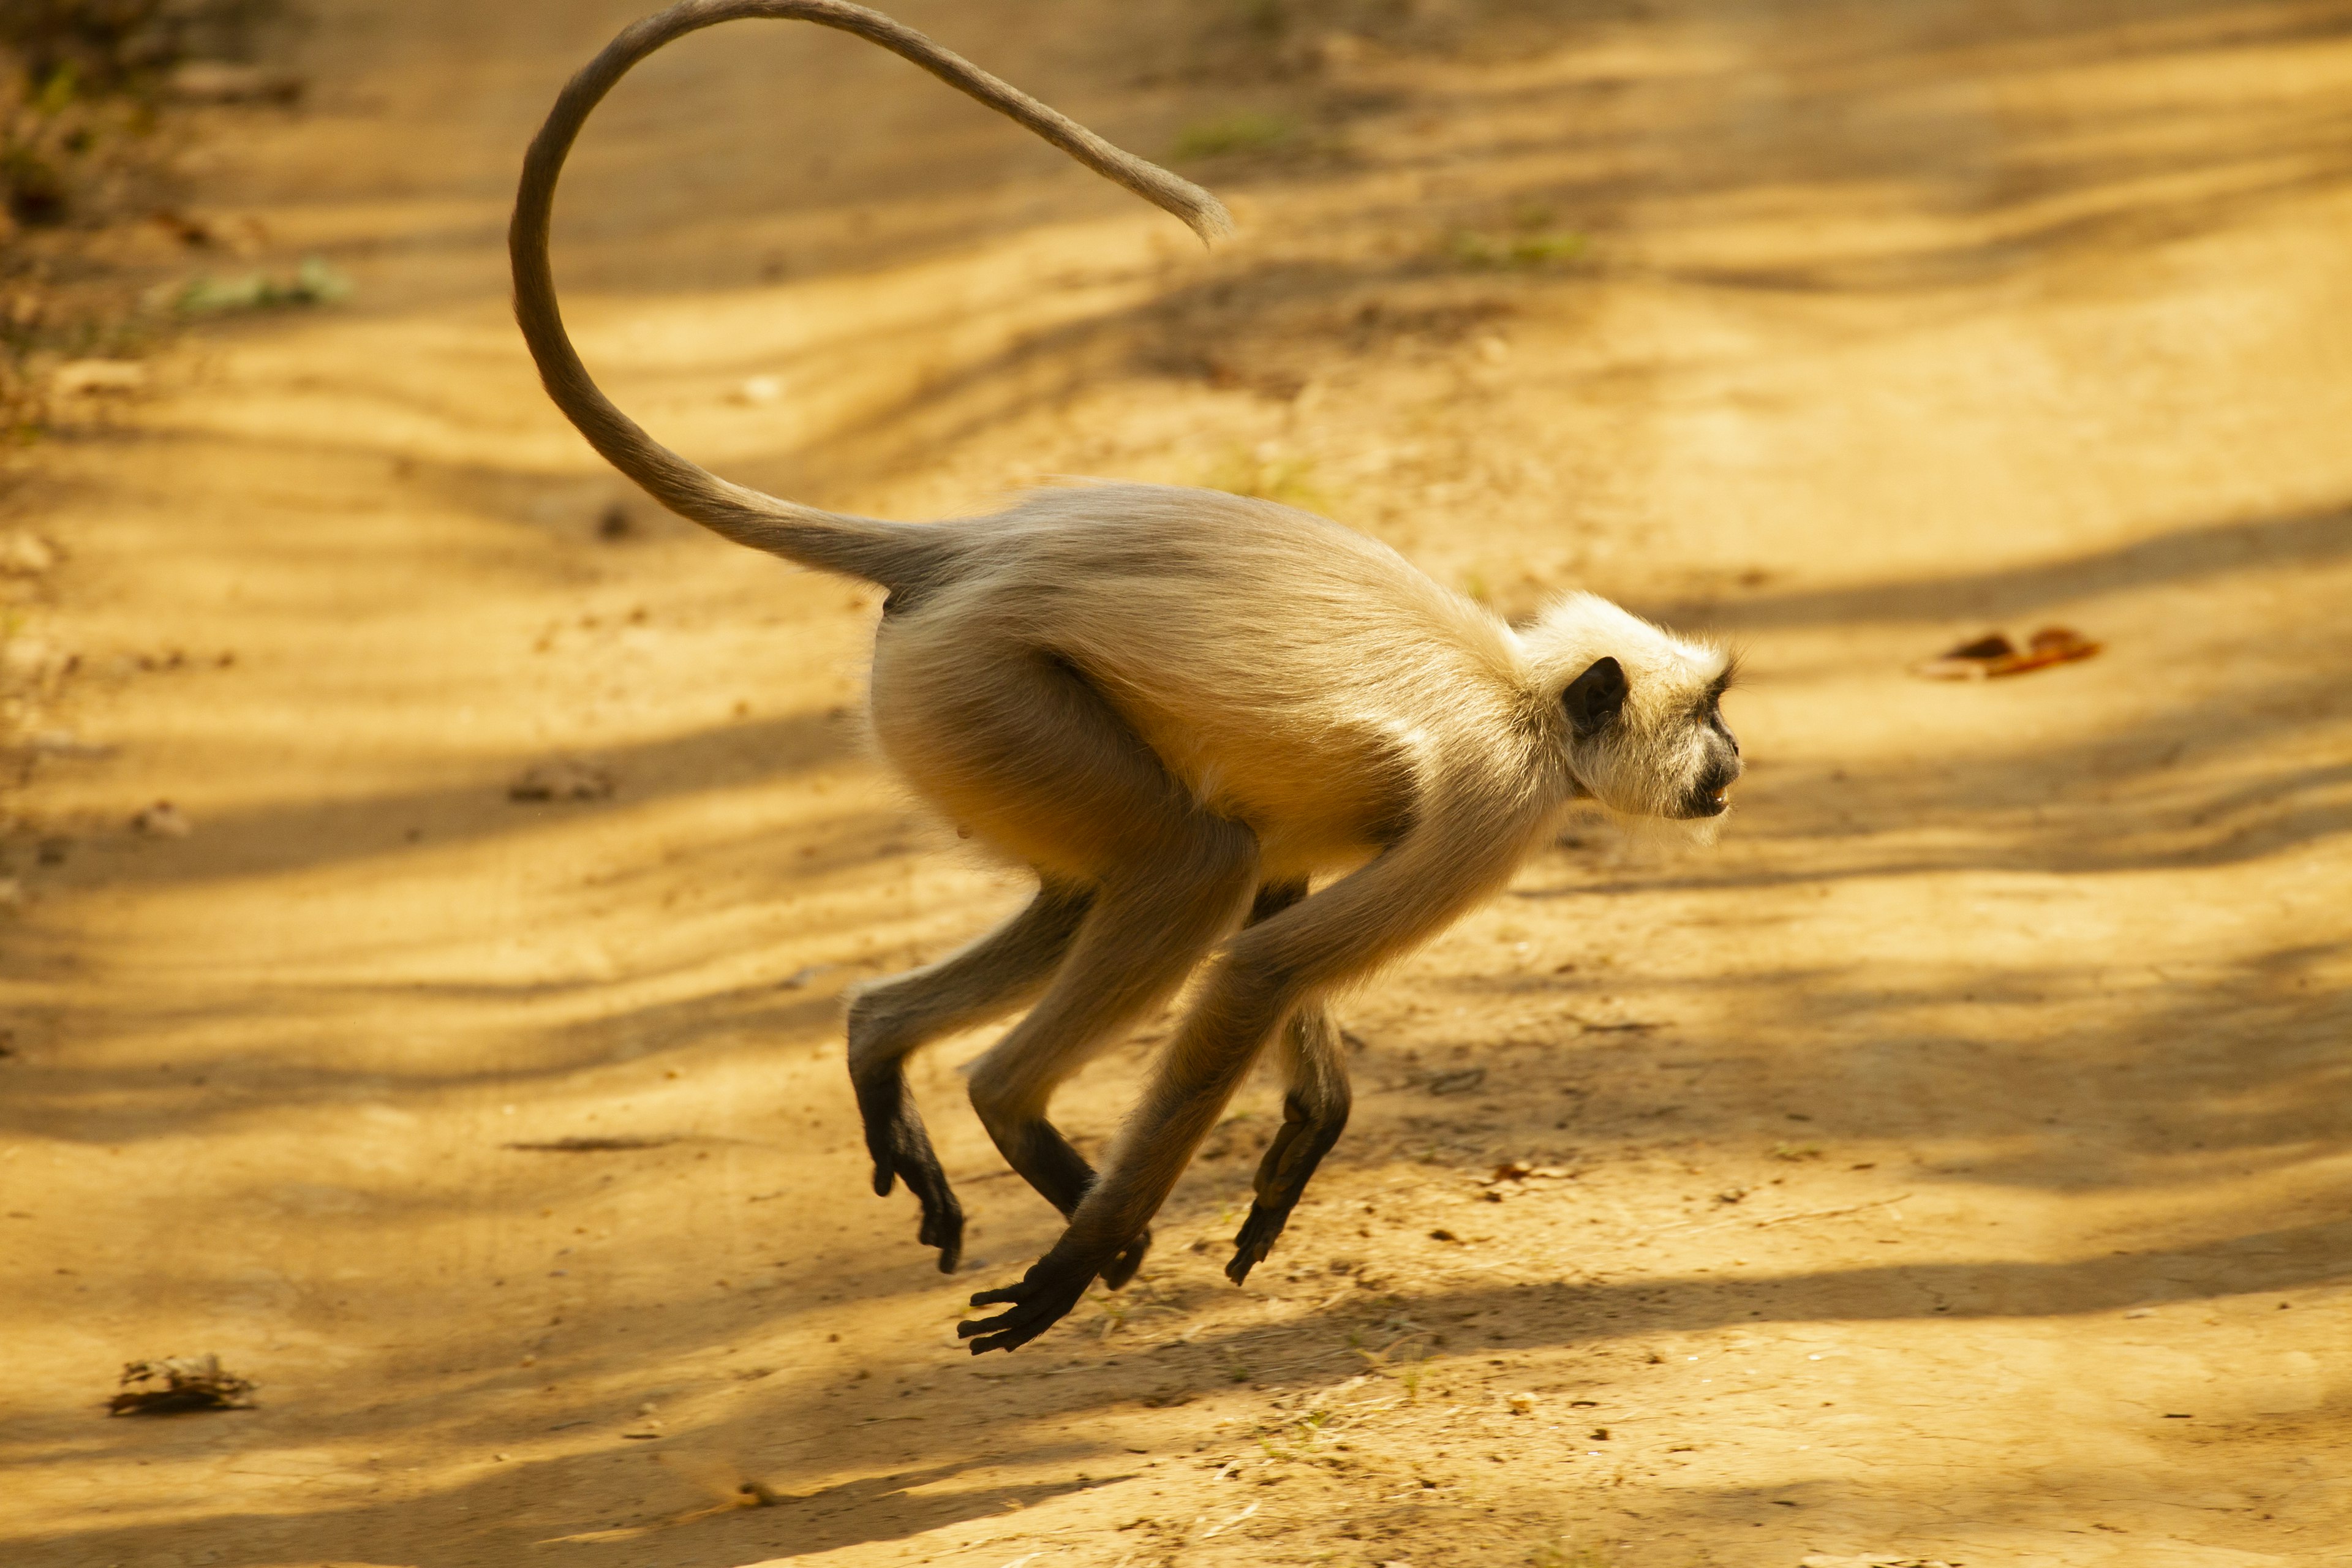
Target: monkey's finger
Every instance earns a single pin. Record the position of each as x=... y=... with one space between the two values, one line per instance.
x=943 y=1224
x=949 y=1237
x=946 y=1233
x=943 y=1228
x=1254 y=1240
x=1042 y=1299
x=1008 y=1330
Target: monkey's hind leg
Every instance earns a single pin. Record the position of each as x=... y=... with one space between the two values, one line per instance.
x=888 y=1020
x=1150 y=923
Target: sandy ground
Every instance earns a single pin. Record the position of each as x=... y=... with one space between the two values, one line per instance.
x=1953 y=1164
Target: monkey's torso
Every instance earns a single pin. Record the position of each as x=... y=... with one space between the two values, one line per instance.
x=1289 y=673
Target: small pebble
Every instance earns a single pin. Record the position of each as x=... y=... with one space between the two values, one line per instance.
x=162 y=820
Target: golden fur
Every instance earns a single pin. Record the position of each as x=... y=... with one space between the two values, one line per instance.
x=1179 y=707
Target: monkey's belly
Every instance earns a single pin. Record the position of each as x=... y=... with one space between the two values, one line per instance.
x=1022 y=752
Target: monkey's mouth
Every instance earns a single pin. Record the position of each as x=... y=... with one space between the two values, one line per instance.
x=1712 y=802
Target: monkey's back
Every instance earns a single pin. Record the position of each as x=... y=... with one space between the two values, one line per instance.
x=1292 y=673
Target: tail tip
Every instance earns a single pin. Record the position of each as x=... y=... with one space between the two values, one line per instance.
x=1209 y=220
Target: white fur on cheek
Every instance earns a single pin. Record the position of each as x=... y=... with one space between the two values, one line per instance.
x=1650 y=760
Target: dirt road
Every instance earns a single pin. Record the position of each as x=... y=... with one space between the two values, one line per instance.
x=1954 y=1164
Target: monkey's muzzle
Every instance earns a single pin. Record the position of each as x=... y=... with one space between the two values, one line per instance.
x=1712 y=797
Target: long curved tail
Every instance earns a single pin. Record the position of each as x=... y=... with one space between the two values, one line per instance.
x=891 y=554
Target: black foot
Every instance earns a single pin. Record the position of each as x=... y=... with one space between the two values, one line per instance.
x=1121 y=1270
x=1307 y=1134
x=1255 y=1239
x=1043 y=1298
x=902 y=1149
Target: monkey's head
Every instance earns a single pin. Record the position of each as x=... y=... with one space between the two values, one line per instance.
x=1642 y=708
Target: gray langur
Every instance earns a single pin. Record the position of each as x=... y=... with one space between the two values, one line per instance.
x=1177 y=706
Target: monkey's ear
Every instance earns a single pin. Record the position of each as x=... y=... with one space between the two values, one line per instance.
x=1594 y=698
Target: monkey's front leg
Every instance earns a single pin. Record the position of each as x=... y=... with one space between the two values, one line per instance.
x=1314 y=1113
x=1314 y=1108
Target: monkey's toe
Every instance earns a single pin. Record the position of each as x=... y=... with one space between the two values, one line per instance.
x=943 y=1228
x=1254 y=1240
x=1043 y=1298
x=942 y=1224
x=1122 y=1268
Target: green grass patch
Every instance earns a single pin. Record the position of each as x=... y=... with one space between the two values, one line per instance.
x=1471 y=248
x=1243 y=131
x=313 y=283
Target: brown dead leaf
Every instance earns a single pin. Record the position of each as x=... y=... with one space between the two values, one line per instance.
x=1521 y=1171
x=566 y=778
x=1994 y=655
x=179 y=1383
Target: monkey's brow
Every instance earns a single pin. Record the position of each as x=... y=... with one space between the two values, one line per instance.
x=1726 y=680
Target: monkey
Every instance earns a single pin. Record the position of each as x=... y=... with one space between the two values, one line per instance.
x=1180 y=709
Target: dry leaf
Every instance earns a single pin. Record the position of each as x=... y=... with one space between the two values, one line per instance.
x=179 y=1383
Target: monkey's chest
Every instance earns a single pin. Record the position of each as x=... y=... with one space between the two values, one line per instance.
x=1316 y=794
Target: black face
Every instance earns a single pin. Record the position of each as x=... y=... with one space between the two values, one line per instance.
x=1707 y=796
